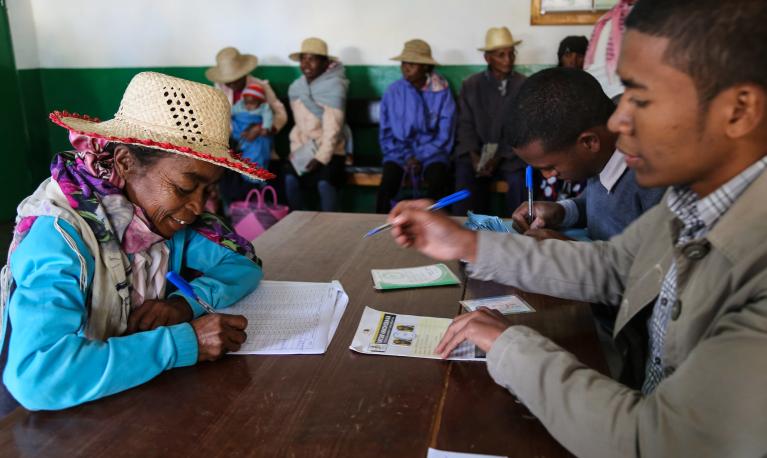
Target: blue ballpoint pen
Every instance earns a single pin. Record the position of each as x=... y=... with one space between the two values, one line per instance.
x=186 y=288
x=441 y=203
x=529 y=185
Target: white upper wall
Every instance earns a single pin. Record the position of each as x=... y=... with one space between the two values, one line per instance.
x=101 y=33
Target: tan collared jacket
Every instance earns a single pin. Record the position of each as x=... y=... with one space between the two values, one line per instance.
x=713 y=401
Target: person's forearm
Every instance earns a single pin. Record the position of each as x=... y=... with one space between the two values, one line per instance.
x=469 y=246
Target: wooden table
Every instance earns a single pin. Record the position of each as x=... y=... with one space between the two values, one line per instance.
x=337 y=404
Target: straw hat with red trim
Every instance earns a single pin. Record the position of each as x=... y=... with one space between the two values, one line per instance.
x=170 y=114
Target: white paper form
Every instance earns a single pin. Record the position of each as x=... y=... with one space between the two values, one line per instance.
x=287 y=318
x=383 y=333
x=434 y=453
x=507 y=305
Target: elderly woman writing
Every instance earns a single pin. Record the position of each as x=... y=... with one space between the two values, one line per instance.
x=86 y=308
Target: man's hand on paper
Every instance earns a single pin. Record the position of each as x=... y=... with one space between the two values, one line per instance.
x=155 y=313
x=481 y=328
x=432 y=233
x=218 y=334
x=547 y=214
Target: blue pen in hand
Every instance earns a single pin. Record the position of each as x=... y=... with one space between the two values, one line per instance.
x=441 y=203
x=529 y=185
x=186 y=289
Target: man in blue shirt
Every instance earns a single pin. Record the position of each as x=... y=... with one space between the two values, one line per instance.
x=560 y=117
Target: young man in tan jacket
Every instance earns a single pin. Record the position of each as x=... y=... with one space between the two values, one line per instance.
x=689 y=277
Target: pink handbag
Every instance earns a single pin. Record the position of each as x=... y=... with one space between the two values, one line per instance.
x=252 y=219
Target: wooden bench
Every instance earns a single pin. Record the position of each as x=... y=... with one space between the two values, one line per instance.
x=365 y=113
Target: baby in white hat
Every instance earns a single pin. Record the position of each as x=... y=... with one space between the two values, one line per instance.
x=252 y=120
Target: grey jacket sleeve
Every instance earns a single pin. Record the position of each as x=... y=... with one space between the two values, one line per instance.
x=712 y=405
x=583 y=271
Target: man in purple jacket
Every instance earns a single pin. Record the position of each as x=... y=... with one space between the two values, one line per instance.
x=416 y=127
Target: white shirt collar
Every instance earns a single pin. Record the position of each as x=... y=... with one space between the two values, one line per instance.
x=613 y=170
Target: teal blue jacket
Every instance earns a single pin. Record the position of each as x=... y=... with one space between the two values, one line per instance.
x=52 y=365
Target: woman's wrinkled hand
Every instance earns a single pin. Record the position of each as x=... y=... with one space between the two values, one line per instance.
x=155 y=313
x=218 y=334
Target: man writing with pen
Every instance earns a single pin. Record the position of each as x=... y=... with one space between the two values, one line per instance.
x=689 y=277
x=560 y=117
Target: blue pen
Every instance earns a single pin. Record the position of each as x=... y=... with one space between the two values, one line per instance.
x=186 y=288
x=529 y=185
x=441 y=203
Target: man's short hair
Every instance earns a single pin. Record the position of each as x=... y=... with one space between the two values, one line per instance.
x=555 y=106
x=572 y=43
x=718 y=43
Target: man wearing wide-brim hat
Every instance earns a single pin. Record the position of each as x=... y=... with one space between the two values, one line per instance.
x=482 y=153
x=417 y=123
x=319 y=137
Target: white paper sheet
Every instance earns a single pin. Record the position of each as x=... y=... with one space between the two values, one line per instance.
x=434 y=453
x=507 y=305
x=391 y=334
x=302 y=156
x=291 y=317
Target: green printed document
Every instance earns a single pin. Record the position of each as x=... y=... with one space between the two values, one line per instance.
x=414 y=277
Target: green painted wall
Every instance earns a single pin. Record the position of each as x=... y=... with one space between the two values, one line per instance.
x=97 y=92
x=15 y=172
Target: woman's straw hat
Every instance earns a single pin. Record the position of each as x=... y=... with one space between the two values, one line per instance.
x=498 y=38
x=316 y=46
x=416 y=52
x=170 y=114
x=231 y=66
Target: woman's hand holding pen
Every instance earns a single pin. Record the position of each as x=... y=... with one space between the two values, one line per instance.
x=218 y=334
x=431 y=232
